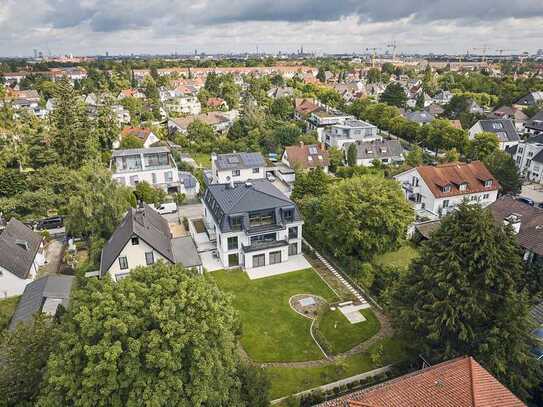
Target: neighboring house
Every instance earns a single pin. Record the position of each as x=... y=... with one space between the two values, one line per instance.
x=528 y=156
x=443 y=97
x=134 y=93
x=535 y=124
x=237 y=167
x=457 y=124
x=526 y=221
x=419 y=117
x=303 y=107
x=219 y=121
x=385 y=151
x=434 y=109
x=142 y=239
x=437 y=190
x=323 y=117
x=349 y=131
x=460 y=382
x=154 y=165
x=531 y=99
x=146 y=136
x=43 y=295
x=306 y=157
x=281 y=91
x=503 y=128
x=474 y=108
x=121 y=114
x=254 y=224
x=21 y=255
x=508 y=112
x=183 y=104
x=217 y=103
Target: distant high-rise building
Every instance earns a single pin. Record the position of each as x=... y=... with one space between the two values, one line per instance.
x=540 y=52
x=35 y=53
x=107 y=53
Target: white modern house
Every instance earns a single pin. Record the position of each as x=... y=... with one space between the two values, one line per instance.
x=349 y=131
x=435 y=191
x=21 y=255
x=528 y=156
x=142 y=239
x=253 y=224
x=186 y=104
x=237 y=167
x=154 y=165
x=323 y=117
x=535 y=124
x=503 y=128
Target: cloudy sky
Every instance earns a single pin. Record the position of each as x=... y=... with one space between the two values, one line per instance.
x=84 y=27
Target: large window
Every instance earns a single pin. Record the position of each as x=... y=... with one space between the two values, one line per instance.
x=168 y=176
x=156 y=159
x=288 y=215
x=235 y=222
x=123 y=263
x=259 y=260
x=268 y=237
x=293 y=232
x=235 y=173
x=292 y=249
x=233 y=260
x=233 y=243
x=149 y=258
x=262 y=218
x=275 y=257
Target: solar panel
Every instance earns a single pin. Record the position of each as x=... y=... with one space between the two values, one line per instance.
x=233 y=159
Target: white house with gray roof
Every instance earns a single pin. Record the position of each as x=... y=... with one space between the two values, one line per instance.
x=142 y=239
x=349 y=131
x=503 y=128
x=237 y=167
x=385 y=151
x=21 y=255
x=253 y=224
x=528 y=156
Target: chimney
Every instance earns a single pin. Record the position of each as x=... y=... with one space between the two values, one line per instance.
x=231 y=184
x=213 y=156
x=514 y=220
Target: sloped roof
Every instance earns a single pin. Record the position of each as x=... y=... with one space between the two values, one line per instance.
x=185 y=252
x=210 y=118
x=307 y=156
x=139 y=132
x=530 y=235
x=235 y=161
x=531 y=98
x=460 y=382
x=419 y=117
x=503 y=128
x=56 y=287
x=14 y=256
x=474 y=174
x=148 y=225
x=536 y=122
x=305 y=106
x=378 y=149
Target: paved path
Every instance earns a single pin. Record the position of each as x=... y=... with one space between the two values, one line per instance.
x=53 y=253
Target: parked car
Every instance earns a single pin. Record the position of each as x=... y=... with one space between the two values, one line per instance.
x=270 y=177
x=525 y=200
x=169 y=207
x=54 y=222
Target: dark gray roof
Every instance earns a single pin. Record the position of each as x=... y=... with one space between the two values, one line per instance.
x=185 y=252
x=134 y=151
x=222 y=200
x=55 y=287
x=427 y=228
x=537 y=313
x=238 y=161
x=378 y=149
x=530 y=99
x=503 y=128
x=536 y=122
x=148 y=225
x=419 y=117
x=18 y=248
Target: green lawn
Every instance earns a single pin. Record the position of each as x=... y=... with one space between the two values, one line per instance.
x=7 y=308
x=341 y=335
x=272 y=331
x=285 y=381
x=400 y=258
x=202 y=159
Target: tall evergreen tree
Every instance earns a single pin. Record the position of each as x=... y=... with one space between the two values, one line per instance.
x=503 y=167
x=72 y=136
x=351 y=155
x=463 y=296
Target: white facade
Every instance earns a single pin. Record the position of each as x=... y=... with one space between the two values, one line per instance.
x=183 y=104
x=348 y=132
x=241 y=175
x=11 y=285
x=422 y=198
x=477 y=128
x=528 y=165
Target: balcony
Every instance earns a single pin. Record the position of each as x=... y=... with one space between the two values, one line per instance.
x=264 y=245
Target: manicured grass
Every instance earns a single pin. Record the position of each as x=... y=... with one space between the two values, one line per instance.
x=202 y=159
x=7 y=308
x=272 y=331
x=341 y=335
x=400 y=258
x=285 y=381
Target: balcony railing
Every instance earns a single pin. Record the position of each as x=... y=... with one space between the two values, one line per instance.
x=264 y=245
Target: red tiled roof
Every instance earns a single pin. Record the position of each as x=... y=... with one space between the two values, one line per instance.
x=305 y=106
x=474 y=174
x=460 y=382
x=215 y=102
x=139 y=132
x=298 y=156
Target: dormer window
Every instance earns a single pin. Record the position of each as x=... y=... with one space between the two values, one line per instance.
x=446 y=188
x=488 y=183
x=288 y=215
x=463 y=186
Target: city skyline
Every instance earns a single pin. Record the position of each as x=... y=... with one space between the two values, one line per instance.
x=94 y=27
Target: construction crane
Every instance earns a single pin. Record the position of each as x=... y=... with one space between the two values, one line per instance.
x=483 y=50
x=393 y=45
x=373 y=55
x=501 y=51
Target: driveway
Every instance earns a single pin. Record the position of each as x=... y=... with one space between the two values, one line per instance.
x=191 y=211
x=53 y=255
x=533 y=191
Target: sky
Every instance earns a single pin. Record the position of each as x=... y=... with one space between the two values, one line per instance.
x=94 y=27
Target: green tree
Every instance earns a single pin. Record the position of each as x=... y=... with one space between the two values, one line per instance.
x=107 y=128
x=97 y=205
x=363 y=216
x=24 y=353
x=163 y=336
x=199 y=131
x=255 y=386
x=420 y=101
x=394 y=95
x=336 y=158
x=321 y=76
x=351 y=155
x=282 y=108
x=286 y=135
x=483 y=145
x=414 y=157
x=503 y=167
x=72 y=136
x=310 y=183
x=131 y=141
x=463 y=296
x=149 y=194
